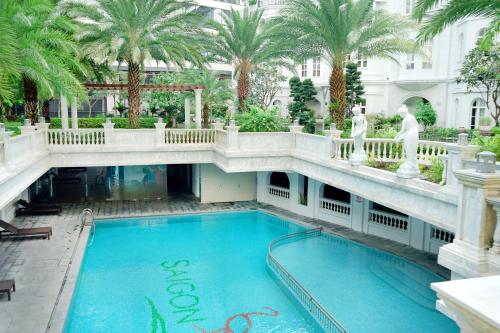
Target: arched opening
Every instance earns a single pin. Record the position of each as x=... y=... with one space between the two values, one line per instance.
x=279 y=179
x=412 y=102
x=333 y=193
x=478 y=110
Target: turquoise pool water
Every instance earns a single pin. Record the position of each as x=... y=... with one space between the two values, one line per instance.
x=207 y=274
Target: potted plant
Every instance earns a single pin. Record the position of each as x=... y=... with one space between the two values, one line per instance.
x=485 y=123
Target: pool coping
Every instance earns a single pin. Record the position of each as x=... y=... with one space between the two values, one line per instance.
x=61 y=308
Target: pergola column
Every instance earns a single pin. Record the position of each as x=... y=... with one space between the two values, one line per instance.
x=187 y=112
x=74 y=115
x=197 y=103
x=64 y=113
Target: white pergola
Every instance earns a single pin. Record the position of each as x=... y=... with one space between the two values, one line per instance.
x=143 y=87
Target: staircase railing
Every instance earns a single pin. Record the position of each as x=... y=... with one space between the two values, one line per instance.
x=324 y=318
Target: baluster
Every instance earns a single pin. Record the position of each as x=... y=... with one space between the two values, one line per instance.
x=384 y=150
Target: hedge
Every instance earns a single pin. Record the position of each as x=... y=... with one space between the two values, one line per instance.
x=144 y=122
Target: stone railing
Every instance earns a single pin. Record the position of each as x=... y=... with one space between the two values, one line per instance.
x=389 y=220
x=277 y=191
x=441 y=235
x=81 y=137
x=389 y=150
x=335 y=206
x=189 y=136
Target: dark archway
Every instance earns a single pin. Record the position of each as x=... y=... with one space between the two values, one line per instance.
x=333 y=193
x=280 y=179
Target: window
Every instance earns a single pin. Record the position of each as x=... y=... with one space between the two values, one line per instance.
x=362 y=62
x=317 y=66
x=410 y=61
x=478 y=110
x=427 y=62
x=409 y=7
x=362 y=106
x=303 y=71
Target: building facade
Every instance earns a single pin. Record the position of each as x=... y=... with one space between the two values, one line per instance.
x=389 y=84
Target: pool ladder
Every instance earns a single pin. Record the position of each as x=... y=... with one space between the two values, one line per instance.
x=88 y=213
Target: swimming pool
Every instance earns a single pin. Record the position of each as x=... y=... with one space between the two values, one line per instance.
x=207 y=273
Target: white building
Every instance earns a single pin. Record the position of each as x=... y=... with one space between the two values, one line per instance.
x=388 y=84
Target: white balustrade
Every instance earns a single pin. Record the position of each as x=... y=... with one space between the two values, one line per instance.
x=389 y=150
x=393 y=221
x=221 y=138
x=278 y=191
x=189 y=136
x=335 y=206
x=441 y=235
x=80 y=137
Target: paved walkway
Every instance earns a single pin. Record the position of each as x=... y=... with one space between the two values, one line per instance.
x=39 y=265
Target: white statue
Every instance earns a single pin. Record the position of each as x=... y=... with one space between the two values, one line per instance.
x=409 y=136
x=358 y=132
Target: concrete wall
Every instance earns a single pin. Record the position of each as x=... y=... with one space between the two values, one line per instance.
x=218 y=186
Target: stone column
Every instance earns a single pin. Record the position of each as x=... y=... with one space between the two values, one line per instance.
x=457 y=154
x=295 y=129
x=64 y=113
x=160 y=131
x=74 y=115
x=232 y=136
x=187 y=112
x=494 y=251
x=467 y=256
x=108 y=132
x=197 y=102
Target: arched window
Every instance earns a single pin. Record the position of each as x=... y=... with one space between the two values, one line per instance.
x=478 y=110
x=280 y=179
x=333 y=193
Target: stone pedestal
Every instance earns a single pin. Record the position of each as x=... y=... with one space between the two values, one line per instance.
x=232 y=137
x=330 y=146
x=467 y=256
x=160 y=132
x=357 y=158
x=44 y=127
x=27 y=129
x=108 y=132
x=457 y=154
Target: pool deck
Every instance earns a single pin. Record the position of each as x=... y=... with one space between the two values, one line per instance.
x=40 y=266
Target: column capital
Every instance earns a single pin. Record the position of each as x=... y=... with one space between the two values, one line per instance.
x=472 y=178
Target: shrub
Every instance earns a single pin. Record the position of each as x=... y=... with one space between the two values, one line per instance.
x=435 y=172
x=488 y=143
x=144 y=122
x=439 y=134
x=259 y=120
x=425 y=114
x=485 y=121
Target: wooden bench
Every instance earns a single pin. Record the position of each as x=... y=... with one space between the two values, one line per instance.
x=6 y=286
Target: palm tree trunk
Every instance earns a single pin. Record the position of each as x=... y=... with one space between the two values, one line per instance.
x=30 y=99
x=337 y=95
x=133 y=94
x=205 y=115
x=243 y=87
x=46 y=110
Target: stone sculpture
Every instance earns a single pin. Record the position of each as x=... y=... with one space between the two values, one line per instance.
x=409 y=136
x=358 y=133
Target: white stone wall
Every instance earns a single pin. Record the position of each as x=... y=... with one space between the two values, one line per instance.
x=218 y=186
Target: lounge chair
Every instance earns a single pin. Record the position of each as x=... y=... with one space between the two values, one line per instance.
x=12 y=231
x=37 y=209
x=6 y=286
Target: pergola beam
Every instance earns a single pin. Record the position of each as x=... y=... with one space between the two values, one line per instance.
x=143 y=87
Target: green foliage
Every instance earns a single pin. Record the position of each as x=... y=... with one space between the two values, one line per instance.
x=302 y=92
x=260 y=120
x=485 y=121
x=13 y=126
x=387 y=166
x=488 y=143
x=480 y=73
x=425 y=114
x=454 y=11
x=439 y=134
x=170 y=104
x=265 y=82
x=354 y=89
x=144 y=122
x=435 y=172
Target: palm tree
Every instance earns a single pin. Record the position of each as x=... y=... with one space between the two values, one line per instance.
x=216 y=92
x=454 y=11
x=8 y=56
x=338 y=29
x=48 y=65
x=245 y=40
x=132 y=31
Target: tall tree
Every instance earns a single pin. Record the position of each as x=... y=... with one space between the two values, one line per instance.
x=216 y=92
x=48 y=57
x=354 y=89
x=453 y=11
x=245 y=40
x=265 y=83
x=132 y=31
x=301 y=93
x=336 y=29
x=480 y=74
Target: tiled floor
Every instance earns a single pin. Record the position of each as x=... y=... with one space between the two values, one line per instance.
x=39 y=265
